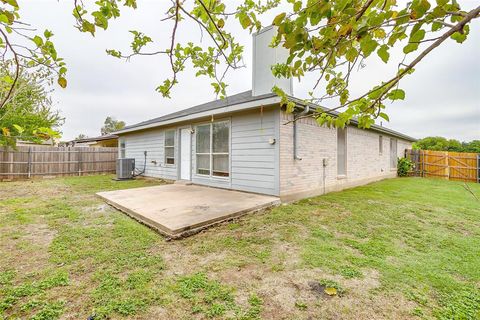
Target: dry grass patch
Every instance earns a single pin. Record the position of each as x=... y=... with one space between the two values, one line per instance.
x=397 y=249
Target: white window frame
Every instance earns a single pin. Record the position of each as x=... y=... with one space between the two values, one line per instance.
x=203 y=153
x=211 y=153
x=344 y=174
x=169 y=146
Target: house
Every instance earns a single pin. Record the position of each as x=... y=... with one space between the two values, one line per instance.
x=109 y=140
x=248 y=142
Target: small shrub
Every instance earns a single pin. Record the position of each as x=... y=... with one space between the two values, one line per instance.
x=404 y=166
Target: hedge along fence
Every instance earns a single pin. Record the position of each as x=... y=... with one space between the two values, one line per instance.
x=26 y=162
x=461 y=166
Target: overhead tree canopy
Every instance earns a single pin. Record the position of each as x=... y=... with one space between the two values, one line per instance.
x=111 y=125
x=329 y=39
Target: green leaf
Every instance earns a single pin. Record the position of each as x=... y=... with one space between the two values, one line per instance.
x=47 y=33
x=436 y=26
x=368 y=45
x=4 y=18
x=279 y=18
x=38 y=41
x=410 y=48
x=11 y=2
x=417 y=36
x=384 y=116
x=396 y=94
x=62 y=82
x=341 y=4
x=88 y=27
x=18 y=128
x=351 y=54
x=383 y=53
x=297 y=6
x=376 y=93
x=244 y=19
x=420 y=7
x=460 y=37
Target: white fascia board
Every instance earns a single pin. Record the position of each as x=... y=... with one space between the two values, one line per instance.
x=227 y=109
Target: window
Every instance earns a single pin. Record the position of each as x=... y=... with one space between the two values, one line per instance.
x=220 y=146
x=169 y=146
x=341 y=152
x=213 y=143
x=380 y=144
x=122 y=148
x=203 y=149
x=393 y=153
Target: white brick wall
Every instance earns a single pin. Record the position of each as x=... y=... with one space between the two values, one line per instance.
x=300 y=178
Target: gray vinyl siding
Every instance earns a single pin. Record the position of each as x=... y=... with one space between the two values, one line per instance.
x=151 y=141
x=254 y=162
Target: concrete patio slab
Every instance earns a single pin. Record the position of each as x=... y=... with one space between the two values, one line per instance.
x=177 y=210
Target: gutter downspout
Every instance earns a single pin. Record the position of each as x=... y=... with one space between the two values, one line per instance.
x=306 y=109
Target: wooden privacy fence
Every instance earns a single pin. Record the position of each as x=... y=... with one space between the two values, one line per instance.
x=26 y=162
x=445 y=164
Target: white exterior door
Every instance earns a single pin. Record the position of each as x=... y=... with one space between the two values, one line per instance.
x=185 y=154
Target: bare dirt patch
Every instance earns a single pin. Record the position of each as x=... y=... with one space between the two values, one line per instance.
x=39 y=234
x=289 y=294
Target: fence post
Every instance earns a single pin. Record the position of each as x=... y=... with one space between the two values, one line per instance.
x=29 y=162
x=478 y=168
x=80 y=161
x=447 y=164
x=69 y=165
x=421 y=158
x=10 y=165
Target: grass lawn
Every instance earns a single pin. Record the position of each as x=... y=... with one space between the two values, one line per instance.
x=396 y=249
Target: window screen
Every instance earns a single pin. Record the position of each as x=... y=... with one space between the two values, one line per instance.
x=380 y=144
x=341 y=152
x=169 y=147
x=203 y=149
x=220 y=140
x=213 y=147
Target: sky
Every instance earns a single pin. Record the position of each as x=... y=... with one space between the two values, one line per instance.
x=442 y=96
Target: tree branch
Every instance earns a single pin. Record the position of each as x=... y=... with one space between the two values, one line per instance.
x=17 y=70
x=473 y=14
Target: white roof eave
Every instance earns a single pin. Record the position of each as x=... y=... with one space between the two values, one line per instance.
x=227 y=109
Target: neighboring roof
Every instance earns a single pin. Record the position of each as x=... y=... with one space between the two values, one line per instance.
x=241 y=99
x=99 y=138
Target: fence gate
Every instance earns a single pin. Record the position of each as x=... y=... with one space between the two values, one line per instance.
x=444 y=164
